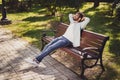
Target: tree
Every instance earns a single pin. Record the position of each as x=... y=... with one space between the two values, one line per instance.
x=4 y=19
x=50 y=5
x=96 y=3
x=3 y=11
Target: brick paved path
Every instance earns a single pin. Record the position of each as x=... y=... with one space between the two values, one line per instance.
x=13 y=51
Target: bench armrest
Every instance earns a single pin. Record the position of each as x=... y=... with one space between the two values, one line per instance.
x=89 y=48
x=85 y=54
x=82 y=52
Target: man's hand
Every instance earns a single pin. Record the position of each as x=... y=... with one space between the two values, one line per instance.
x=83 y=19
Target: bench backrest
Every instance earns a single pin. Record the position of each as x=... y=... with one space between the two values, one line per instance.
x=88 y=38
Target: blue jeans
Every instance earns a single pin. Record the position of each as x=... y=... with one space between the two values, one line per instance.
x=54 y=44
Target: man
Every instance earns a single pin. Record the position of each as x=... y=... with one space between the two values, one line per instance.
x=77 y=22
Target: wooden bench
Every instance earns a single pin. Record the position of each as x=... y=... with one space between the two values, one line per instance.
x=91 y=46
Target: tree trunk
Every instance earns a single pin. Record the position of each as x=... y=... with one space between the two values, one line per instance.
x=30 y=4
x=3 y=10
x=96 y=3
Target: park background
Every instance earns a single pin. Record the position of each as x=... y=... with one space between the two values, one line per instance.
x=30 y=17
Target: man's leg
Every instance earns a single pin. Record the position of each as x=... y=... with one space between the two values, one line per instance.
x=35 y=62
x=53 y=41
x=61 y=42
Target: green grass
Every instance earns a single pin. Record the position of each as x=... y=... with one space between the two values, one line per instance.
x=28 y=25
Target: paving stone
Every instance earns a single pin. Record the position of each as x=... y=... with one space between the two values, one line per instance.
x=13 y=51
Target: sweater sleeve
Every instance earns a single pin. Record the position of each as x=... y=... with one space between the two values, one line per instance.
x=71 y=18
x=85 y=22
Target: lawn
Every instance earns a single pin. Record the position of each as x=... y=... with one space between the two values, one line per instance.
x=28 y=25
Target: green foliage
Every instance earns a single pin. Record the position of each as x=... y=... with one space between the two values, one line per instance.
x=52 y=5
x=118 y=11
x=19 y=5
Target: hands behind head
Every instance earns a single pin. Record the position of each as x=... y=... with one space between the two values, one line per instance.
x=82 y=19
x=77 y=18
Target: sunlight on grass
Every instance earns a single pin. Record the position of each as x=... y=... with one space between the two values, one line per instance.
x=20 y=16
x=38 y=24
x=91 y=13
x=108 y=23
x=29 y=39
x=86 y=6
x=104 y=6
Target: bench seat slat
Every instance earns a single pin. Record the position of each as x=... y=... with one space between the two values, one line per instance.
x=93 y=35
x=91 y=43
x=68 y=49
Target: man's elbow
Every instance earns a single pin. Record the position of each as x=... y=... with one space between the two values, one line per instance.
x=87 y=19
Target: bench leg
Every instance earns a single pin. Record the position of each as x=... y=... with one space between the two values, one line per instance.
x=43 y=44
x=83 y=67
x=101 y=64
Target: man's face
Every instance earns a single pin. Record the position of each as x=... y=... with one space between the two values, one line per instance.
x=76 y=17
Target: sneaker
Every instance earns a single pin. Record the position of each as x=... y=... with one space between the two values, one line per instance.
x=32 y=61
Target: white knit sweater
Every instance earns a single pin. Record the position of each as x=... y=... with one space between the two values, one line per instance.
x=73 y=31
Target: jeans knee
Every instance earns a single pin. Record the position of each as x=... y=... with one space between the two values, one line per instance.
x=52 y=47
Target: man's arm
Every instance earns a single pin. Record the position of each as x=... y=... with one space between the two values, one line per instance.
x=71 y=18
x=85 y=22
